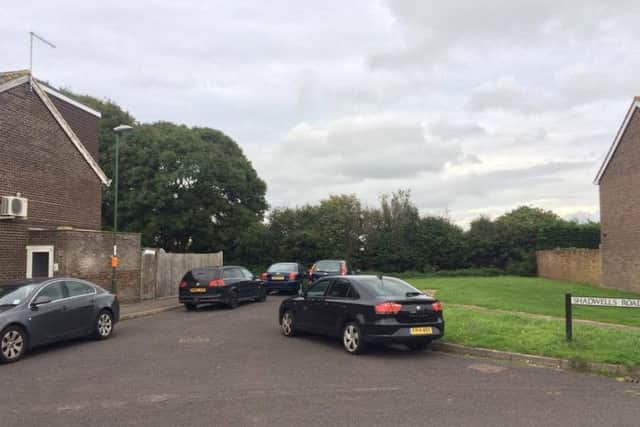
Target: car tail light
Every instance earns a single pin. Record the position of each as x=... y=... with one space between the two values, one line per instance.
x=343 y=269
x=183 y=284
x=264 y=276
x=436 y=306
x=293 y=275
x=388 y=308
x=216 y=282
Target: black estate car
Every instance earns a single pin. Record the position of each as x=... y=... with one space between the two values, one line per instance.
x=285 y=277
x=228 y=285
x=41 y=311
x=330 y=267
x=363 y=310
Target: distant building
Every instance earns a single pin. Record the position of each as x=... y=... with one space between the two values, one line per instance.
x=619 y=181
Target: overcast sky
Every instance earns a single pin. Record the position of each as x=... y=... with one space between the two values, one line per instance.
x=477 y=107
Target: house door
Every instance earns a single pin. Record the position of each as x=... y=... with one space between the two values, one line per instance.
x=39 y=261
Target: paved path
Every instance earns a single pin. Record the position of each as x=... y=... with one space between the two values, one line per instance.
x=233 y=367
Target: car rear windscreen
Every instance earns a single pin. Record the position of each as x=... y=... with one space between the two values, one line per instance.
x=329 y=266
x=204 y=275
x=283 y=267
x=388 y=287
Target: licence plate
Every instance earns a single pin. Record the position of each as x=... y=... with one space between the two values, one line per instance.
x=277 y=277
x=198 y=290
x=421 y=331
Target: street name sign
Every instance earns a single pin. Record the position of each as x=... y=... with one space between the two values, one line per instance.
x=606 y=302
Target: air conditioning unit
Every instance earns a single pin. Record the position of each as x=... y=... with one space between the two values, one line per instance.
x=15 y=207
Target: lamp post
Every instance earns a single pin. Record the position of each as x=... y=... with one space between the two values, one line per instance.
x=114 y=258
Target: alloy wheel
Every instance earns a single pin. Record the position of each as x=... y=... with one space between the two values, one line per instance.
x=287 y=324
x=351 y=338
x=105 y=325
x=12 y=345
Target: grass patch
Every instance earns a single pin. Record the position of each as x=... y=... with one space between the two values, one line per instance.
x=528 y=294
x=517 y=333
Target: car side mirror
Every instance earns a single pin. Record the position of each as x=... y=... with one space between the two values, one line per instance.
x=42 y=299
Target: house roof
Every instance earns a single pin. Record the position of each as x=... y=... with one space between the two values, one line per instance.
x=612 y=150
x=11 y=79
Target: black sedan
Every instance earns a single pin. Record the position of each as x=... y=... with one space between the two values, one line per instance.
x=227 y=285
x=285 y=277
x=38 y=312
x=364 y=310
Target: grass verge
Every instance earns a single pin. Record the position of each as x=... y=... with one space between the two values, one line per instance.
x=528 y=294
x=520 y=334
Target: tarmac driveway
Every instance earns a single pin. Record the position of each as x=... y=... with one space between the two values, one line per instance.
x=233 y=367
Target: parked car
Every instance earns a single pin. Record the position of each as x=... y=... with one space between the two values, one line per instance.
x=228 y=285
x=326 y=268
x=362 y=310
x=37 y=312
x=285 y=277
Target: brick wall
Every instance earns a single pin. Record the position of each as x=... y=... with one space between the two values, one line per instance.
x=573 y=265
x=87 y=254
x=620 y=213
x=38 y=160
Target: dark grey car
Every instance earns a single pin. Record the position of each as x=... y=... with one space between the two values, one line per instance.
x=37 y=312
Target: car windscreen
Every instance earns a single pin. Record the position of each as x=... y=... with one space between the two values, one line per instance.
x=283 y=267
x=388 y=287
x=329 y=266
x=15 y=294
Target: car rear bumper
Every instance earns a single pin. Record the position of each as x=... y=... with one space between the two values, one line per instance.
x=282 y=285
x=401 y=333
x=200 y=299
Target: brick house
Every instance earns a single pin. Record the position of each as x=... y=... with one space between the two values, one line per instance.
x=49 y=157
x=619 y=182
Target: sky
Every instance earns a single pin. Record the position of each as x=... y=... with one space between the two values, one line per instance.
x=476 y=107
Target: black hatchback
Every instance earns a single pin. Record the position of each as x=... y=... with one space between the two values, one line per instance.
x=227 y=285
x=364 y=310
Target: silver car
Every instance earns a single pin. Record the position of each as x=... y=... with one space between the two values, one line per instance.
x=38 y=312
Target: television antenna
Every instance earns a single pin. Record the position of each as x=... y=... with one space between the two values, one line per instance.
x=42 y=39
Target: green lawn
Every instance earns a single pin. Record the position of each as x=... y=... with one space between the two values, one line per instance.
x=517 y=333
x=528 y=294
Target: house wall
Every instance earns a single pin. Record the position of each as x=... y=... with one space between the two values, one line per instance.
x=620 y=213
x=573 y=265
x=87 y=255
x=38 y=160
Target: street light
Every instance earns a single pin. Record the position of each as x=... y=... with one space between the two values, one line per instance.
x=114 y=258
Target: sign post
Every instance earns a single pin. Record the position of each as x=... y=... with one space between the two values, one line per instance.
x=568 y=317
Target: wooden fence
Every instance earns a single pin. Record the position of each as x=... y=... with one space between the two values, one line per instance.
x=161 y=272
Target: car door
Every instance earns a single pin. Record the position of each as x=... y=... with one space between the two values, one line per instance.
x=311 y=310
x=252 y=284
x=80 y=306
x=336 y=306
x=233 y=278
x=49 y=322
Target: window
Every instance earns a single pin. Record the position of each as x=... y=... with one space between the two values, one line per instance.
x=329 y=266
x=339 y=289
x=54 y=291
x=77 y=288
x=353 y=294
x=318 y=289
x=232 y=273
x=282 y=267
x=388 y=287
x=247 y=274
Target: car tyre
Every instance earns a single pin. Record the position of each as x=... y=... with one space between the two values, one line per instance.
x=104 y=325
x=190 y=306
x=13 y=344
x=262 y=297
x=287 y=324
x=419 y=345
x=233 y=300
x=352 y=338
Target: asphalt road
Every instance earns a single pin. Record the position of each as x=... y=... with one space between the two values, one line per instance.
x=233 y=367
